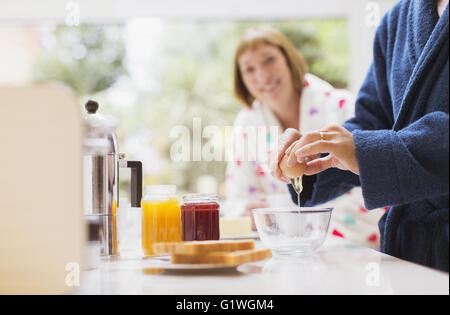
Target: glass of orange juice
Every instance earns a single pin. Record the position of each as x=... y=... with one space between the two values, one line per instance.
x=161 y=216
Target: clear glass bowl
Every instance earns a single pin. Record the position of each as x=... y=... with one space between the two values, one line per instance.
x=292 y=231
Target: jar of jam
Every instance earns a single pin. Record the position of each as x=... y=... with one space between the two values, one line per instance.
x=200 y=217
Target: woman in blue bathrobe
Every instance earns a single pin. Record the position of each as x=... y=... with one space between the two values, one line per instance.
x=397 y=145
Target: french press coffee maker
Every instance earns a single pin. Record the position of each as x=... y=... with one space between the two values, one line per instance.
x=101 y=176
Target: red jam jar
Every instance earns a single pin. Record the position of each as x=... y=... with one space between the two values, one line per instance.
x=200 y=217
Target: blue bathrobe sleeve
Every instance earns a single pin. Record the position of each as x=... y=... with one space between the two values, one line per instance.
x=413 y=159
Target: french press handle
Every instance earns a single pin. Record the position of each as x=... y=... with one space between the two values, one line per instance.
x=136 y=181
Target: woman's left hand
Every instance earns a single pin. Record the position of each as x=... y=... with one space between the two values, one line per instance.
x=335 y=140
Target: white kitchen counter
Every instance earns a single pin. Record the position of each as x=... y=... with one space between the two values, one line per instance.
x=339 y=267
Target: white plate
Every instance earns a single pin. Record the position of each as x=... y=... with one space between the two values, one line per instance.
x=163 y=262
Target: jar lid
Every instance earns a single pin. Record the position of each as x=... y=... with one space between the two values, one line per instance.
x=200 y=197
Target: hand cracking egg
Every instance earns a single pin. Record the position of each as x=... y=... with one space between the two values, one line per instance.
x=295 y=171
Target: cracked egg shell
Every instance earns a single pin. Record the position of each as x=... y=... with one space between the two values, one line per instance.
x=292 y=172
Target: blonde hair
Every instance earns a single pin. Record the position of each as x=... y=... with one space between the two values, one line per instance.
x=251 y=39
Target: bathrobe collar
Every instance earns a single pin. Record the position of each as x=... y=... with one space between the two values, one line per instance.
x=426 y=40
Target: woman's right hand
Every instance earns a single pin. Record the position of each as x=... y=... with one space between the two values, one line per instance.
x=285 y=143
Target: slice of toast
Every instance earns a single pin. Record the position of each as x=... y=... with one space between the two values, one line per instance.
x=202 y=247
x=234 y=258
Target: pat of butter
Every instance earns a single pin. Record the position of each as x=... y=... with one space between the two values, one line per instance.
x=236 y=226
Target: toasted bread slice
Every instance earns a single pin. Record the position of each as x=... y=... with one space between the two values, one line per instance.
x=224 y=258
x=202 y=247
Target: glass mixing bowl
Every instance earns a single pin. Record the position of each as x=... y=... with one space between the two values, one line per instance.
x=292 y=231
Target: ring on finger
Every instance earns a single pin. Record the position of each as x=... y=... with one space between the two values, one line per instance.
x=322 y=135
